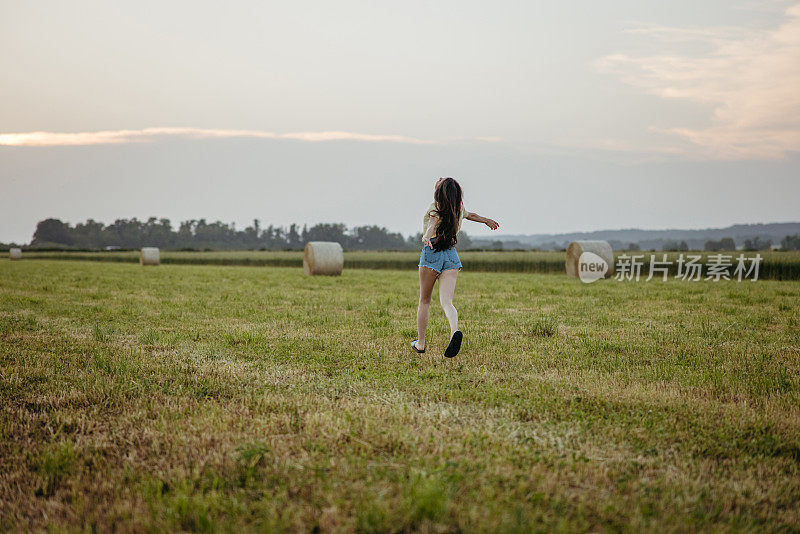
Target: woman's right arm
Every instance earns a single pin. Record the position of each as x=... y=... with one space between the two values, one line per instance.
x=494 y=225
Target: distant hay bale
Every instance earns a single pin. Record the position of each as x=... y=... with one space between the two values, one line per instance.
x=15 y=253
x=149 y=256
x=576 y=248
x=323 y=257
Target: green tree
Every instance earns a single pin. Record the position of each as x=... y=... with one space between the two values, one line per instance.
x=293 y=238
x=757 y=244
x=326 y=232
x=375 y=238
x=791 y=242
x=53 y=231
x=464 y=242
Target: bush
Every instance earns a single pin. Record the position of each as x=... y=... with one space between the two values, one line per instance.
x=726 y=243
x=791 y=242
x=757 y=244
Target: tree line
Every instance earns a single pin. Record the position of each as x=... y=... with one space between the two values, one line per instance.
x=790 y=242
x=727 y=243
x=199 y=234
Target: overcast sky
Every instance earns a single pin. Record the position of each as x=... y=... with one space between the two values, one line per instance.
x=554 y=116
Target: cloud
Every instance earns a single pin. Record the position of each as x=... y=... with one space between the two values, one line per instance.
x=149 y=135
x=750 y=78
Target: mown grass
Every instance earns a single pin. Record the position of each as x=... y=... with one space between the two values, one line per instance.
x=774 y=266
x=205 y=398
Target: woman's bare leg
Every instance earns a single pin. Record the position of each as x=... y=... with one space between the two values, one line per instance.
x=427 y=278
x=447 y=287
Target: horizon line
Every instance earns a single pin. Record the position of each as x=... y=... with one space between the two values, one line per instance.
x=473 y=236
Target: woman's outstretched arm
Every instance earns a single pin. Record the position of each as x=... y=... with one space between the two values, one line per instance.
x=494 y=225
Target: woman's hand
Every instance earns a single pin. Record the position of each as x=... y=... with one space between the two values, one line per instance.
x=427 y=242
x=494 y=225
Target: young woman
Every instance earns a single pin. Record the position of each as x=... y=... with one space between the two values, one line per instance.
x=439 y=259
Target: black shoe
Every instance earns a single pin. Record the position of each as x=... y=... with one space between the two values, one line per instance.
x=414 y=347
x=455 y=344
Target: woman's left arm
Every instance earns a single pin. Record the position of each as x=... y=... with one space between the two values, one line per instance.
x=494 y=225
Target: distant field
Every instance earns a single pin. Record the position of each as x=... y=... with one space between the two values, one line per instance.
x=775 y=265
x=216 y=398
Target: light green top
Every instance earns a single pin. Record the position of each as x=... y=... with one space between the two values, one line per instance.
x=432 y=208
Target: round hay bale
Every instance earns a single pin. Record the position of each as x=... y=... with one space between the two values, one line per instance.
x=577 y=248
x=15 y=253
x=323 y=257
x=149 y=256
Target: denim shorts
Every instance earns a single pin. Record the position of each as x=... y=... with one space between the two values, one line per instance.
x=441 y=260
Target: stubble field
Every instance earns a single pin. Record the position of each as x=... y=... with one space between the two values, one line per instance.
x=220 y=398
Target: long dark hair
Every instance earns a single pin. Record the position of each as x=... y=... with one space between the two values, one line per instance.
x=448 y=207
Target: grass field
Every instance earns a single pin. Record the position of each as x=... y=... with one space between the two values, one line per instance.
x=205 y=398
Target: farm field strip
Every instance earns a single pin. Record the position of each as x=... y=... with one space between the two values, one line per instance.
x=774 y=266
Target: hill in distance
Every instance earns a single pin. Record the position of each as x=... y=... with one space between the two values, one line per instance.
x=652 y=239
